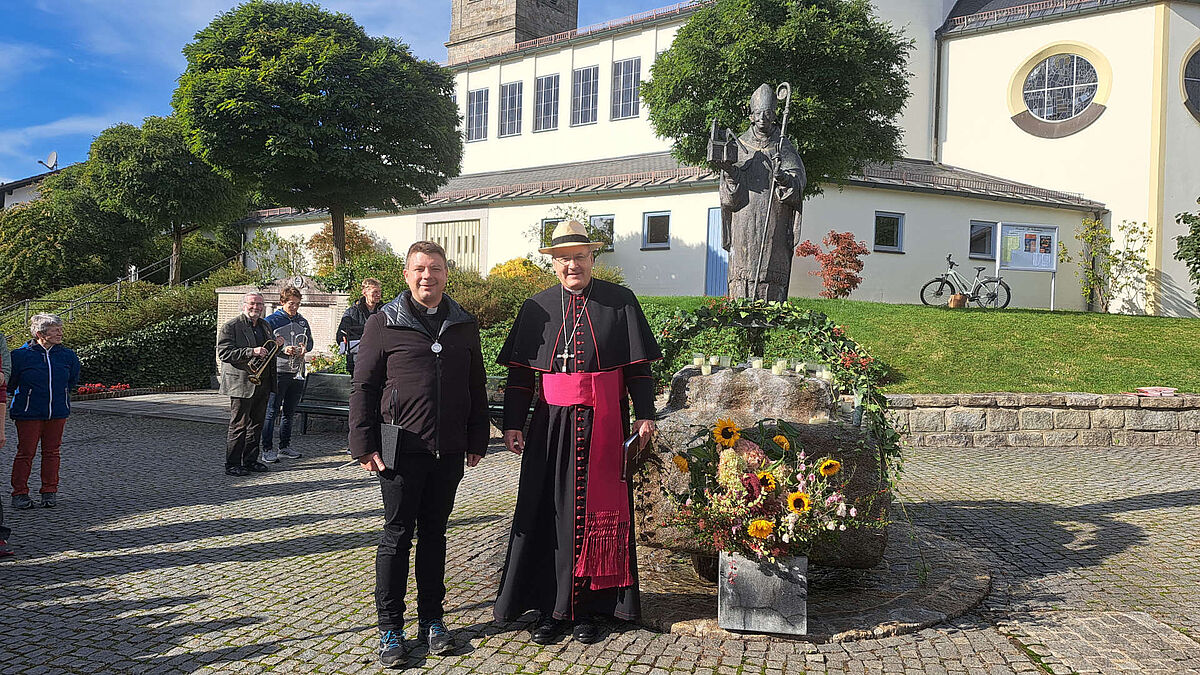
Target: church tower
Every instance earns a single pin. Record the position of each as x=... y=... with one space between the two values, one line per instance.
x=482 y=27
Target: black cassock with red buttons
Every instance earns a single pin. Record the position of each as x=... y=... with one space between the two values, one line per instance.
x=601 y=329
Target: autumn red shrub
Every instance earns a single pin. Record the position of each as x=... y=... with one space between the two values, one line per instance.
x=840 y=265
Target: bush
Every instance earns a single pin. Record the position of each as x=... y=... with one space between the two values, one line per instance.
x=493 y=339
x=178 y=351
x=142 y=305
x=383 y=265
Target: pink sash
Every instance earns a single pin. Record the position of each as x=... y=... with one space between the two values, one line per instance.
x=604 y=556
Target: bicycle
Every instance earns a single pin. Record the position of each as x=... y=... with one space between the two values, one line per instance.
x=986 y=292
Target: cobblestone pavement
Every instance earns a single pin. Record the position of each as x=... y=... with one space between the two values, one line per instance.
x=155 y=561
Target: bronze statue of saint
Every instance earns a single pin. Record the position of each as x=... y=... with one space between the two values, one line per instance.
x=750 y=212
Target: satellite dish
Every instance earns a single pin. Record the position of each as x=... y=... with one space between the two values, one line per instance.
x=51 y=161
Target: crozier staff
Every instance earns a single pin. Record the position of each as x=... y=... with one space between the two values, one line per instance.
x=571 y=552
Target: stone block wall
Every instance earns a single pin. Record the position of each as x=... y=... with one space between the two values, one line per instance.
x=1045 y=420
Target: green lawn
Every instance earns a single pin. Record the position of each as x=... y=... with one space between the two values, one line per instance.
x=932 y=350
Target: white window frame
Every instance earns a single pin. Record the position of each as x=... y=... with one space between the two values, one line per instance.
x=991 y=239
x=545 y=103
x=626 y=88
x=509 y=121
x=899 y=247
x=612 y=232
x=477 y=115
x=658 y=246
x=585 y=102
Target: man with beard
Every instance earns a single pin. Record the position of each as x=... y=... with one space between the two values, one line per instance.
x=571 y=553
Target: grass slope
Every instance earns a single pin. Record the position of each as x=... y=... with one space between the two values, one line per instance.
x=933 y=350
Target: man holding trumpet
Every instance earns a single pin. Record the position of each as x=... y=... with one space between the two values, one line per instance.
x=287 y=323
x=247 y=350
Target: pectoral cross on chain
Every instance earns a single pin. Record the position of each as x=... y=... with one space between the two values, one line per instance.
x=565 y=356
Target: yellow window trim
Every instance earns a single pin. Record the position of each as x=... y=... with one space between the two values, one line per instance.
x=1016 y=88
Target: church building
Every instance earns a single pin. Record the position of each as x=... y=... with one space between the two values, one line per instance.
x=1025 y=119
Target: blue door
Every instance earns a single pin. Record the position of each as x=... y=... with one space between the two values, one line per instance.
x=716 y=278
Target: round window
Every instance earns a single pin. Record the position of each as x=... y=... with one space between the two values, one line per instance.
x=1061 y=87
x=1191 y=83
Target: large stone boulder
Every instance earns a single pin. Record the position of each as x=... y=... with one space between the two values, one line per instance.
x=748 y=395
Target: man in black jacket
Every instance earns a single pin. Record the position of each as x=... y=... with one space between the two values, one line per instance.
x=241 y=346
x=350 y=329
x=419 y=372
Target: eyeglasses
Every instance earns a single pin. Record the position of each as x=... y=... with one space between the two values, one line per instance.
x=577 y=259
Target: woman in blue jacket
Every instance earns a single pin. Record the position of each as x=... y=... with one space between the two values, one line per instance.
x=44 y=373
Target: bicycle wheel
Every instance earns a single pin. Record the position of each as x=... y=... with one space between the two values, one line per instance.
x=936 y=293
x=993 y=294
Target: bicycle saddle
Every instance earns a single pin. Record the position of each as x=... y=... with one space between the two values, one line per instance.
x=980 y=269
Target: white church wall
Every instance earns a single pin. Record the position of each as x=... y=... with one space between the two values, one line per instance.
x=603 y=139
x=934 y=226
x=1181 y=185
x=1109 y=161
x=919 y=19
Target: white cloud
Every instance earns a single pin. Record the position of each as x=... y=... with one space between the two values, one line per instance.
x=32 y=143
x=18 y=60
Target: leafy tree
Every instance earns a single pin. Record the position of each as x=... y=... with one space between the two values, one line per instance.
x=1188 y=251
x=65 y=238
x=359 y=241
x=541 y=232
x=1108 y=269
x=846 y=67
x=320 y=114
x=276 y=257
x=150 y=175
x=840 y=265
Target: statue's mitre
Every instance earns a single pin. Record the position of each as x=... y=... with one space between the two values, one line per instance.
x=763 y=98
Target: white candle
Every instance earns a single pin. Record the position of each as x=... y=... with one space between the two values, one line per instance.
x=725 y=361
x=706 y=369
x=714 y=360
x=756 y=361
x=697 y=359
x=777 y=369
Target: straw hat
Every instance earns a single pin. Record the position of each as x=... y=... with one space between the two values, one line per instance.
x=570 y=233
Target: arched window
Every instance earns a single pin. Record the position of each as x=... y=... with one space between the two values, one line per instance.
x=1060 y=88
x=1191 y=83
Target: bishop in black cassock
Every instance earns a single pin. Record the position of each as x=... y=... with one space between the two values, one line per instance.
x=571 y=553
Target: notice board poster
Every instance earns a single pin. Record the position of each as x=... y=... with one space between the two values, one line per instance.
x=1028 y=247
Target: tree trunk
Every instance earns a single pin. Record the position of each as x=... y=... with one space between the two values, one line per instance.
x=176 y=254
x=338 y=215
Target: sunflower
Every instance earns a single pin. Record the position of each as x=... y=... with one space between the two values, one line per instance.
x=726 y=433
x=799 y=502
x=766 y=480
x=761 y=529
x=782 y=442
x=829 y=467
x=681 y=463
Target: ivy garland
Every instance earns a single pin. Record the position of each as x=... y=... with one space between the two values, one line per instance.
x=854 y=369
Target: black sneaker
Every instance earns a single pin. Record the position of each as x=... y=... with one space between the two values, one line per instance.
x=391 y=648
x=22 y=502
x=236 y=471
x=437 y=637
x=49 y=500
x=257 y=467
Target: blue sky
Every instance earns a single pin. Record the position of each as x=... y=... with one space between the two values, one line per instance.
x=71 y=68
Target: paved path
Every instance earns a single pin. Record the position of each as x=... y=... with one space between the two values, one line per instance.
x=155 y=561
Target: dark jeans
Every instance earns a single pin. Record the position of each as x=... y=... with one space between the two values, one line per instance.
x=286 y=396
x=418 y=495
x=5 y=532
x=245 y=427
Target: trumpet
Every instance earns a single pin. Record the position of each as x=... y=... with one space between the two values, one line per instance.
x=258 y=364
x=298 y=359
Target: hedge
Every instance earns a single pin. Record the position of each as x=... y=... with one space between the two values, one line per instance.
x=178 y=351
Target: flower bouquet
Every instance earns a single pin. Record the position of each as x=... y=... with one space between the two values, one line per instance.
x=759 y=500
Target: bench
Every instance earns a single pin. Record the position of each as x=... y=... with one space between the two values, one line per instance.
x=324 y=394
x=329 y=394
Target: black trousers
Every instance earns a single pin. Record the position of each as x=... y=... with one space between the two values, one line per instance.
x=5 y=532
x=418 y=496
x=246 y=417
